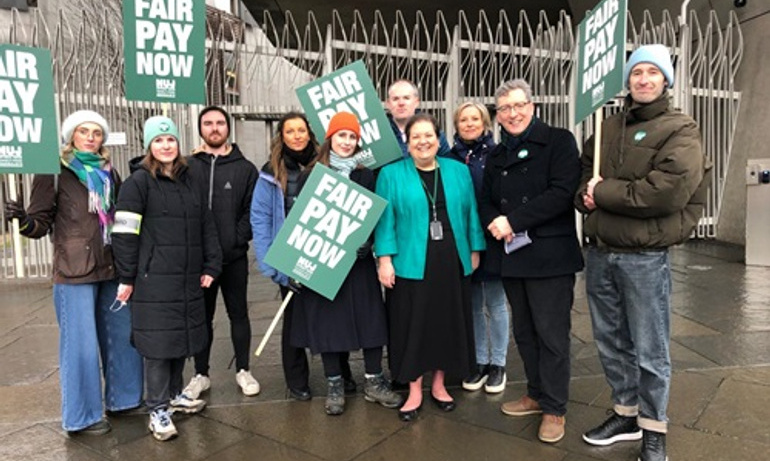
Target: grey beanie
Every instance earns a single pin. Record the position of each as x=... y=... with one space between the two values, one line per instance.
x=653 y=54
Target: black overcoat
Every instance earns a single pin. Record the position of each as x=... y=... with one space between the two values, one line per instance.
x=533 y=186
x=355 y=319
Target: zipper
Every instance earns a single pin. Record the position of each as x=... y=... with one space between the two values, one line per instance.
x=211 y=181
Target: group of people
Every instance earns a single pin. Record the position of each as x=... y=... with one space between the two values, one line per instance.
x=465 y=228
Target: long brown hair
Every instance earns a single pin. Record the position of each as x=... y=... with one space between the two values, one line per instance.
x=154 y=166
x=276 y=148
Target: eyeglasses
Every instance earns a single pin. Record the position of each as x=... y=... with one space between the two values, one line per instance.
x=518 y=107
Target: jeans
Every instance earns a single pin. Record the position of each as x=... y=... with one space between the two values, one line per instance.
x=628 y=295
x=88 y=331
x=491 y=346
x=164 y=381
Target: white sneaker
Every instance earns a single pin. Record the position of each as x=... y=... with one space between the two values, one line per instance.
x=198 y=384
x=184 y=404
x=161 y=425
x=249 y=385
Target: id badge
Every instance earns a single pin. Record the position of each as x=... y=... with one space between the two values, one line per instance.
x=436 y=230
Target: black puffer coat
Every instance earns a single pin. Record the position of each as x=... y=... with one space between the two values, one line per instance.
x=175 y=245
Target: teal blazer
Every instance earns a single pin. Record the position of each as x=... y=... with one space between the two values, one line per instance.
x=402 y=231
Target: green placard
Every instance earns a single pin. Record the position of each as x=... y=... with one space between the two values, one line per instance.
x=164 y=49
x=28 y=128
x=317 y=244
x=601 y=55
x=350 y=89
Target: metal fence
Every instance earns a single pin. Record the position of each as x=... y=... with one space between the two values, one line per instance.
x=253 y=68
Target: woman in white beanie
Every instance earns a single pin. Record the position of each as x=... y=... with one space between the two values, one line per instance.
x=80 y=206
x=166 y=252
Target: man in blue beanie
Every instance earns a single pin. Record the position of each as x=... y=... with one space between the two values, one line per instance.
x=648 y=196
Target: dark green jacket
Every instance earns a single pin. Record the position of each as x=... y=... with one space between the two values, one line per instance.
x=653 y=171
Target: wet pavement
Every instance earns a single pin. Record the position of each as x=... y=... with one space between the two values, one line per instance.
x=720 y=394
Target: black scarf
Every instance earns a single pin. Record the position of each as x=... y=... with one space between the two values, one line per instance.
x=511 y=142
x=293 y=159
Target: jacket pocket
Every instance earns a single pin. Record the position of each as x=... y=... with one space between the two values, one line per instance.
x=75 y=257
x=146 y=265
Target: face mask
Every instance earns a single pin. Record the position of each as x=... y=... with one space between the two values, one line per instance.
x=117 y=305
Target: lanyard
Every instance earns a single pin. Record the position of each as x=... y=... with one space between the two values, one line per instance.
x=432 y=198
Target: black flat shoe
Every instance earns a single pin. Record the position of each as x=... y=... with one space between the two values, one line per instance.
x=442 y=405
x=408 y=416
x=302 y=395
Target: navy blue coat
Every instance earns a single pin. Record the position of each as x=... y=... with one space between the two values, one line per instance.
x=533 y=186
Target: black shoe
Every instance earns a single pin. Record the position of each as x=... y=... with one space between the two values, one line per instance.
x=302 y=394
x=443 y=405
x=497 y=379
x=653 y=447
x=99 y=428
x=478 y=379
x=615 y=429
x=408 y=416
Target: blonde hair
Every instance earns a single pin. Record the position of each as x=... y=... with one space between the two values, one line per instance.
x=485 y=118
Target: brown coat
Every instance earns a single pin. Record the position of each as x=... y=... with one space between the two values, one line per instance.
x=80 y=256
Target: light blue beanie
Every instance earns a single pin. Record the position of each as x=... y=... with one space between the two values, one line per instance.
x=653 y=54
x=157 y=126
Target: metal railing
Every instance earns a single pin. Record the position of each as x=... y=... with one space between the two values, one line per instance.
x=253 y=69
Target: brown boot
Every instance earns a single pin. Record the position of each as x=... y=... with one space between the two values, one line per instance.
x=522 y=407
x=551 y=428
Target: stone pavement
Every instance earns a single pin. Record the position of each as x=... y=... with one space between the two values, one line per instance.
x=720 y=395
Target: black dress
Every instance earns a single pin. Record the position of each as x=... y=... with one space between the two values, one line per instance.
x=431 y=323
x=356 y=318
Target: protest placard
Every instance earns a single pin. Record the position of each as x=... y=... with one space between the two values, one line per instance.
x=351 y=90
x=601 y=55
x=164 y=50
x=331 y=218
x=28 y=128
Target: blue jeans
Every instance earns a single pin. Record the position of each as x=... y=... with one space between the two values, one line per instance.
x=492 y=347
x=88 y=331
x=628 y=295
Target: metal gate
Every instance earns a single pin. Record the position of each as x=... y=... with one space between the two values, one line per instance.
x=254 y=66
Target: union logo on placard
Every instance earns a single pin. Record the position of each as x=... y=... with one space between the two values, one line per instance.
x=597 y=94
x=11 y=157
x=165 y=88
x=304 y=268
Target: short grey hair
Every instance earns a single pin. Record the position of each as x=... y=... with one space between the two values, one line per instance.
x=415 y=90
x=511 y=85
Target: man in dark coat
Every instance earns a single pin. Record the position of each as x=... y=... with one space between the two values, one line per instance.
x=648 y=196
x=526 y=204
x=227 y=179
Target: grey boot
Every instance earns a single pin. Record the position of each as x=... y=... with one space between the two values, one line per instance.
x=376 y=389
x=335 y=396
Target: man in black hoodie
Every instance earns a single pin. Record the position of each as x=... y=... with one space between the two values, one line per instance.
x=228 y=179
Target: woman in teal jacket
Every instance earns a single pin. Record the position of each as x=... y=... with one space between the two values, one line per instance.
x=427 y=242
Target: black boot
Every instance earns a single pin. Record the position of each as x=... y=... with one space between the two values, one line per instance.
x=335 y=396
x=653 y=446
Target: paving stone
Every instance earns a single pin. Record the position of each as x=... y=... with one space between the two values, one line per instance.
x=739 y=409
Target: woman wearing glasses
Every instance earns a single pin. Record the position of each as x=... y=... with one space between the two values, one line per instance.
x=526 y=204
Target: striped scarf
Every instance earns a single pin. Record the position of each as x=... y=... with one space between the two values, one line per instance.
x=95 y=173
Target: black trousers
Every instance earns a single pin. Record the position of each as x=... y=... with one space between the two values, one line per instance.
x=338 y=363
x=541 y=326
x=233 y=281
x=294 y=359
x=162 y=381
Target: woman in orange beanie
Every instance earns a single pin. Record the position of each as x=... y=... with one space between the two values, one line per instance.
x=355 y=319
